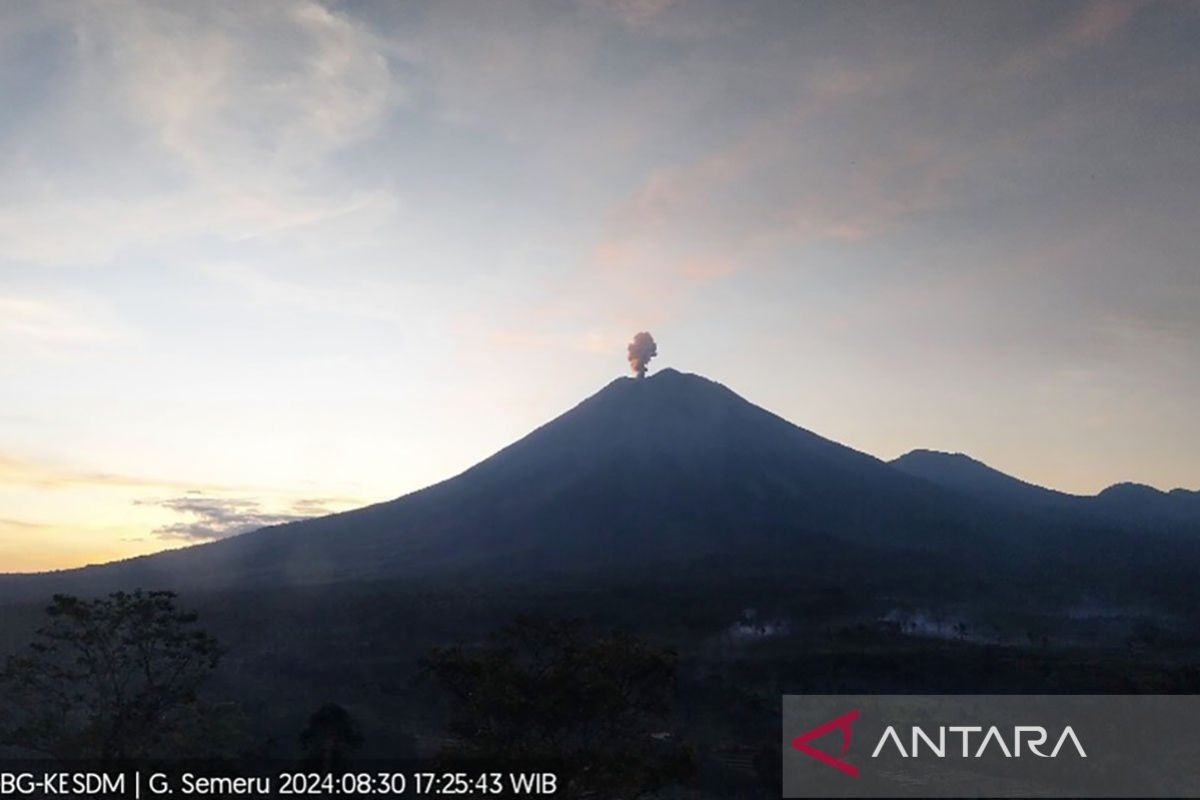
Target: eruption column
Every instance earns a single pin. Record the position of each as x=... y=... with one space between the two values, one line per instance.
x=641 y=350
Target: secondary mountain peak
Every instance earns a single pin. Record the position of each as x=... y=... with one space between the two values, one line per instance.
x=1132 y=491
x=1123 y=504
x=962 y=473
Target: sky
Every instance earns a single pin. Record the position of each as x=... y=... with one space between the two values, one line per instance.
x=260 y=261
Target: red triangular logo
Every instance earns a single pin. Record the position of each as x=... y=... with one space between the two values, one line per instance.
x=842 y=723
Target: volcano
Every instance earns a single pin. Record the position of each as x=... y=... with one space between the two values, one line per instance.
x=653 y=476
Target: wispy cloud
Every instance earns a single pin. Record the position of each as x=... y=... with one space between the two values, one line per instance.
x=637 y=13
x=765 y=194
x=16 y=470
x=21 y=524
x=37 y=322
x=209 y=518
x=178 y=122
x=1093 y=24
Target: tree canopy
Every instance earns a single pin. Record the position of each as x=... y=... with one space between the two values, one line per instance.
x=597 y=703
x=110 y=678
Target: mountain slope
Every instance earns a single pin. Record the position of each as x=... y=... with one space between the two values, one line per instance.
x=962 y=473
x=1123 y=504
x=676 y=476
x=665 y=471
x=1134 y=501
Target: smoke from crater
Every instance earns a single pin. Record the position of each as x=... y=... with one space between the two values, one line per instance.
x=641 y=350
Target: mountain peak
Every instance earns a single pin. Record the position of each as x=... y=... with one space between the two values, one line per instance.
x=961 y=472
x=1131 y=490
x=928 y=454
x=670 y=375
x=666 y=392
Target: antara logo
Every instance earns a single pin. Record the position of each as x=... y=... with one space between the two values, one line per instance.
x=842 y=723
x=1033 y=737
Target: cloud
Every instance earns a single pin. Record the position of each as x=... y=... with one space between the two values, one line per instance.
x=97 y=508
x=16 y=470
x=22 y=525
x=779 y=181
x=831 y=138
x=20 y=471
x=1094 y=24
x=210 y=518
x=27 y=321
x=172 y=120
x=637 y=13
x=592 y=342
x=361 y=300
x=765 y=193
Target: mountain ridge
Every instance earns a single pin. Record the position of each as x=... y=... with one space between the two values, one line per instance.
x=670 y=468
x=962 y=472
x=651 y=474
x=1125 y=501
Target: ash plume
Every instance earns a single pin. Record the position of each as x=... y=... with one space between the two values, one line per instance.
x=641 y=350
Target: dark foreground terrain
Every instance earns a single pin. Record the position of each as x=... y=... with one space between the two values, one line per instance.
x=740 y=646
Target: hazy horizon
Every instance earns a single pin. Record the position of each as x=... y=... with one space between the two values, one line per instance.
x=262 y=261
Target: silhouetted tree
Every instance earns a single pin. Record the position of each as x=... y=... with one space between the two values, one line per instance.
x=330 y=736
x=110 y=678
x=596 y=703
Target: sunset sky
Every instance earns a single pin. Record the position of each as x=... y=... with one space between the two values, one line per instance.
x=267 y=259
